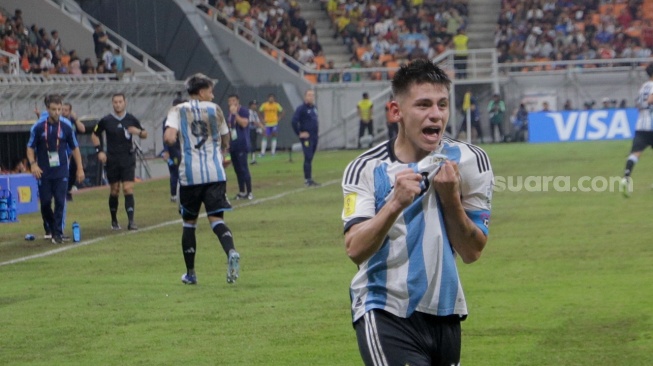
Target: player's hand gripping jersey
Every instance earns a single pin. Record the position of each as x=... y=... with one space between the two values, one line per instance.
x=417 y=245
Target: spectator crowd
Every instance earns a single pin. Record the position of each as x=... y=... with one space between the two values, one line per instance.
x=43 y=52
x=563 y=30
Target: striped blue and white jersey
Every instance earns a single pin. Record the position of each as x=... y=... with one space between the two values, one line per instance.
x=200 y=126
x=415 y=267
x=644 y=122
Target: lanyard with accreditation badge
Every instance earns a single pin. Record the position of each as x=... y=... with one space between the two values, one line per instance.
x=53 y=156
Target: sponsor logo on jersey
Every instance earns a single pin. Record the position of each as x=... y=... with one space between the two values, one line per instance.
x=350 y=204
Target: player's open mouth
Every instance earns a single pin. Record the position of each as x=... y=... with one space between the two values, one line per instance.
x=433 y=131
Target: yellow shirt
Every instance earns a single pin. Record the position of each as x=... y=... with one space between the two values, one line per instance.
x=460 y=44
x=365 y=109
x=271 y=113
x=243 y=8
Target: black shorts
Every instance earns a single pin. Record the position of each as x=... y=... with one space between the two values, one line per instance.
x=213 y=195
x=642 y=140
x=120 y=169
x=420 y=340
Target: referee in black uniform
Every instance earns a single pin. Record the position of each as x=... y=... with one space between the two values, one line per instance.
x=120 y=159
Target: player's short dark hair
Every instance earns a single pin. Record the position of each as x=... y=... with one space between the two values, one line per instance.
x=53 y=99
x=252 y=102
x=197 y=82
x=419 y=71
x=69 y=105
x=649 y=70
x=233 y=96
x=119 y=95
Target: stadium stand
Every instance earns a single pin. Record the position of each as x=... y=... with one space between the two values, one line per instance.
x=556 y=31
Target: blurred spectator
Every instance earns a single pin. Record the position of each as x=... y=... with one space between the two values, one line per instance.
x=100 y=40
x=520 y=124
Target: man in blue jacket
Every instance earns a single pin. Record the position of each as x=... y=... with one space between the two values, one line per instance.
x=238 y=121
x=305 y=124
x=51 y=141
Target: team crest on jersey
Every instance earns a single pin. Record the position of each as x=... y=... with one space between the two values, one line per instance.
x=350 y=204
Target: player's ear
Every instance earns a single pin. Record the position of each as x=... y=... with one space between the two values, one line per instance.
x=394 y=112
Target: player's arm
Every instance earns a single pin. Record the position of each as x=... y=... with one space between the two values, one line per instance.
x=466 y=238
x=224 y=142
x=365 y=238
x=170 y=136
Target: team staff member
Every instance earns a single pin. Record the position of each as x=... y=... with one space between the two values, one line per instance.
x=120 y=159
x=78 y=127
x=272 y=114
x=364 y=108
x=305 y=125
x=204 y=138
x=255 y=128
x=393 y=126
x=240 y=146
x=411 y=206
x=172 y=155
x=51 y=140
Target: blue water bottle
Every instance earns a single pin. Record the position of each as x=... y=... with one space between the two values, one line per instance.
x=77 y=232
x=4 y=213
x=12 y=210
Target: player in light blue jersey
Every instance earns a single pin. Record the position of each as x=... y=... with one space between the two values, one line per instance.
x=204 y=137
x=412 y=205
x=643 y=131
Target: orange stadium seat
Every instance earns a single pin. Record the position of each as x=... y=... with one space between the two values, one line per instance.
x=312 y=78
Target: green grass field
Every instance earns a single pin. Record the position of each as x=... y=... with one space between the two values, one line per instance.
x=565 y=278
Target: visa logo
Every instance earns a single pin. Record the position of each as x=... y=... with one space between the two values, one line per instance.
x=591 y=125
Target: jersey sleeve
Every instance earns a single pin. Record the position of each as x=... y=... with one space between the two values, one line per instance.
x=358 y=194
x=476 y=185
x=71 y=140
x=99 y=128
x=172 y=120
x=137 y=123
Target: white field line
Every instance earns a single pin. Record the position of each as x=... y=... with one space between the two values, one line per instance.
x=153 y=227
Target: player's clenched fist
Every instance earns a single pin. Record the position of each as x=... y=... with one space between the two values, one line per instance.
x=407 y=186
x=447 y=180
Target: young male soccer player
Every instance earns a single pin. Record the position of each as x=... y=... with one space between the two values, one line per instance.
x=202 y=131
x=120 y=158
x=411 y=206
x=643 y=131
x=272 y=114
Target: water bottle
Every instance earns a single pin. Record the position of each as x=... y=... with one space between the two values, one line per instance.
x=30 y=237
x=77 y=232
x=4 y=207
x=12 y=210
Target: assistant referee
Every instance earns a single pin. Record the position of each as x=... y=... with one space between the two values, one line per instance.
x=119 y=128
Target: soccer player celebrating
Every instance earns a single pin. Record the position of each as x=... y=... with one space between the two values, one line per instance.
x=204 y=136
x=120 y=158
x=411 y=206
x=643 y=131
